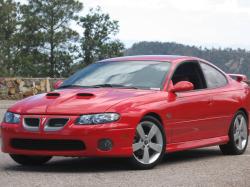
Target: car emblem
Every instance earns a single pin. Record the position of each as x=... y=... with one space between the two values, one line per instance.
x=43 y=120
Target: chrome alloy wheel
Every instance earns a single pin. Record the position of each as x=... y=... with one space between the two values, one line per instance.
x=240 y=132
x=148 y=143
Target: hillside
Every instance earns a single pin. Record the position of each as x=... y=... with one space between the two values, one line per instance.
x=229 y=60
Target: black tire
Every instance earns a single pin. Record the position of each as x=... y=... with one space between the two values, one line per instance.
x=231 y=147
x=30 y=160
x=138 y=165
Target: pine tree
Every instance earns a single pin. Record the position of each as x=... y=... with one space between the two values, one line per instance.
x=97 y=42
x=48 y=38
x=8 y=30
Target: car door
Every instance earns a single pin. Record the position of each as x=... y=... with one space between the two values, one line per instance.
x=225 y=100
x=189 y=112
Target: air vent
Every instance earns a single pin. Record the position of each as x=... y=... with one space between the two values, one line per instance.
x=55 y=124
x=47 y=145
x=85 y=95
x=53 y=94
x=31 y=124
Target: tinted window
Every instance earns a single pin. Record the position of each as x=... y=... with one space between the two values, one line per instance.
x=190 y=71
x=140 y=74
x=213 y=77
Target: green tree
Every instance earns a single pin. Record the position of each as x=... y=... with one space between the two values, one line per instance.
x=8 y=30
x=97 y=42
x=47 y=37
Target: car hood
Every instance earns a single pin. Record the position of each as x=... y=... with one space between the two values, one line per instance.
x=76 y=101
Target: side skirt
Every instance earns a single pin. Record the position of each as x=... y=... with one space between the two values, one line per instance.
x=196 y=144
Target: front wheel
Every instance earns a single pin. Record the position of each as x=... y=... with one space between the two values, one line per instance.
x=30 y=160
x=149 y=143
x=238 y=135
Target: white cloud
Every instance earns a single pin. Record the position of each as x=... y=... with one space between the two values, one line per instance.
x=244 y=2
x=219 y=23
x=224 y=23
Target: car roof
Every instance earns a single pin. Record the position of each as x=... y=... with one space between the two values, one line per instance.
x=163 y=58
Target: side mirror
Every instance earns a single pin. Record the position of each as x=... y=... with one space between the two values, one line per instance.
x=57 y=84
x=182 y=86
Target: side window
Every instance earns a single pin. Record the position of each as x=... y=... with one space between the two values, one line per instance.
x=190 y=71
x=213 y=77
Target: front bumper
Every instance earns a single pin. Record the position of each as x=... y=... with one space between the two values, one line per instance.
x=121 y=135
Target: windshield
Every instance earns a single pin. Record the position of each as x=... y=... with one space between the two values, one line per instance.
x=134 y=74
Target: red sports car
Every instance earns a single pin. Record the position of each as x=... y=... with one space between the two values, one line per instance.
x=139 y=107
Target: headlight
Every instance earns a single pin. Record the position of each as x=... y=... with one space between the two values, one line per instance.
x=13 y=118
x=90 y=119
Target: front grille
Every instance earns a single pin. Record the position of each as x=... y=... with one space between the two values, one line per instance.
x=57 y=122
x=32 y=122
x=48 y=145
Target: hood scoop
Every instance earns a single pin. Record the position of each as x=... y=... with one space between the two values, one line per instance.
x=52 y=94
x=84 y=95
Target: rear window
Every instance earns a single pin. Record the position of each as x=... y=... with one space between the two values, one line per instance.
x=214 y=78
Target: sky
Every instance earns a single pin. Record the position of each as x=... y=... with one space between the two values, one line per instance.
x=206 y=23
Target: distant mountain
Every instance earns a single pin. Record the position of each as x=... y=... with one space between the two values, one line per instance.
x=229 y=60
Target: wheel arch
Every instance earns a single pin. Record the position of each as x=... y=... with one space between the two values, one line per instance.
x=155 y=115
x=246 y=113
x=159 y=118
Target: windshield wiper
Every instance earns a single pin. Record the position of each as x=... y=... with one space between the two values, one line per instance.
x=113 y=86
x=73 y=86
x=99 y=86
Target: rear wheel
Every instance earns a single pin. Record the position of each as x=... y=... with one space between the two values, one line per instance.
x=238 y=135
x=30 y=160
x=149 y=144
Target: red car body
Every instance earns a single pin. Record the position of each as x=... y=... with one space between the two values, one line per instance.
x=190 y=119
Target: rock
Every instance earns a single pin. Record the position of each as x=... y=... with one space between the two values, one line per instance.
x=10 y=84
x=38 y=87
x=48 y=85
x=43 y=86
x=28 y=93
x=12 y=91
x=17 y=88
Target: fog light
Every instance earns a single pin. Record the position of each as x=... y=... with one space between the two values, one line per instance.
x=105 y=144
